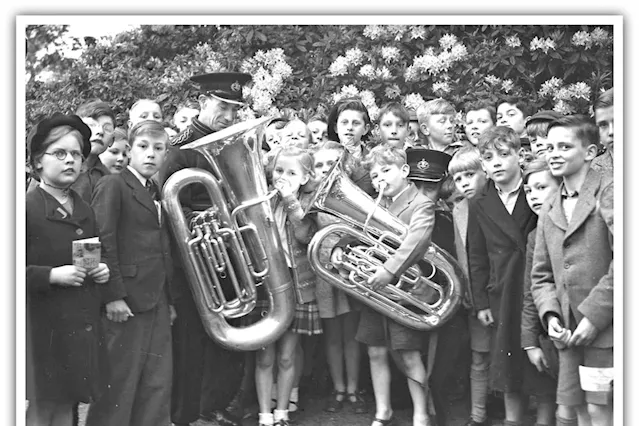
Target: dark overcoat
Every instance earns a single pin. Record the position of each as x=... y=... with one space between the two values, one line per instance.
x=66 y=357
x=496 y=242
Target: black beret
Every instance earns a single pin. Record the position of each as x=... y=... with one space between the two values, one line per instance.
x=544 y=115
x=39 y=133
x=427 y=164
x=226 y=86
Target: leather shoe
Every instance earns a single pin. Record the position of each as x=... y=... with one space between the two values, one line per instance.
x=222 y=418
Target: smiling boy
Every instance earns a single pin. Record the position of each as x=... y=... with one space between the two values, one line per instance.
x=572 y=269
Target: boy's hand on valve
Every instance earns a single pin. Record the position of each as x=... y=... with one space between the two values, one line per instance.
x=380 y=278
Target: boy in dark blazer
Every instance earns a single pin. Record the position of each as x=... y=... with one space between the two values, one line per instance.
x=572 y=271
x=499 y=221
x=135 y=243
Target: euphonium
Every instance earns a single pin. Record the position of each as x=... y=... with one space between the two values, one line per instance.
x=423 y=298
x=237 y=238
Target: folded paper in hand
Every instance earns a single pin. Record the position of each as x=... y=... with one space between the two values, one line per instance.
x=86 y=253
x=596 y=379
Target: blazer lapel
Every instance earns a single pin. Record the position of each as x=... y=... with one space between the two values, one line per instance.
x=402 y=203
x=55 y=212
x=556 y=213
x=497 y=212
x=586 y=202
x=140 y=193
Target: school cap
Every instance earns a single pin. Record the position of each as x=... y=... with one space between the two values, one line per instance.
x=544 y=115
x=39 y=133
x=427 y=165
x=225 y=86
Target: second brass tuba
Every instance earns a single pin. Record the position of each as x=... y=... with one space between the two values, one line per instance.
x=423 y=298
x=236 y=238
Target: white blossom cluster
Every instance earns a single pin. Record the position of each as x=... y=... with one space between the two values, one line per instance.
x=433 y=64
x=340 y=66
x=413 y=101
x=396 y=32
x=367 y=97
x=543 y=44
x=513 y=41
x=392 y=91
x=390 y=53
x=597 y=37
x=505 y=86
x=180 y=70
x=269 y=70
x=565 y=97
x=441 y=88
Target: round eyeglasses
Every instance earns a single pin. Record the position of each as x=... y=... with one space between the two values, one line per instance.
x=61 y=154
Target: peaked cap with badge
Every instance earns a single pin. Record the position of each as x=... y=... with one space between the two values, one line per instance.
x=427 y=165
x=225 y=86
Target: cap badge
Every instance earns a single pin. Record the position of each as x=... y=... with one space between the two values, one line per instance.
x=236 y=86
x=423 y=164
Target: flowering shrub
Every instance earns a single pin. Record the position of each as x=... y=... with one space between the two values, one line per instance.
x=307 y=68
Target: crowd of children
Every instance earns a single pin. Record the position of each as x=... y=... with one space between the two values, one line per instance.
x=522 y=199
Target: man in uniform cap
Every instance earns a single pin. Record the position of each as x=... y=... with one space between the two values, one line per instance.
x=206 y=376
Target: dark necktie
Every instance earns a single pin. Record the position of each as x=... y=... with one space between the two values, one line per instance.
x=153 y=190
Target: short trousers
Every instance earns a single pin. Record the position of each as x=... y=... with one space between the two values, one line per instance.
x=569 y=390
x=375 y=329
x=479 y=334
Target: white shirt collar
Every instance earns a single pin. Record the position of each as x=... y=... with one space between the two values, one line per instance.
x=142 y=179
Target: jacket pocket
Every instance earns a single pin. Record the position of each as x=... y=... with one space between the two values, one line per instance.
x=128 y=270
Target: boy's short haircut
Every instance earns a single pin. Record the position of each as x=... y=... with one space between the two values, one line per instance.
x=95 y=108
x=465 y=159
x=537 y=165
x=189 y=103
x=583 y=128
x=604 y=100
x=538 y=123
x=139 y=101
x=498 y=137
x=434 y=106
x=317 y=117
x=120 y=134
x=147 y=127
x=481 y=104
x=397 y=109
x=521 y=104
x=383 y=154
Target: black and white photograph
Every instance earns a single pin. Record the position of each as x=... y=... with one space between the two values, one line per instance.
x=320 y=220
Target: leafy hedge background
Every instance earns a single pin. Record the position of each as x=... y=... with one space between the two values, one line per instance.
x=306 y=68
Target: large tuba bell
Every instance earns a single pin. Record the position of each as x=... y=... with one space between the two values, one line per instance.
x=236 y=238
x=423 y=298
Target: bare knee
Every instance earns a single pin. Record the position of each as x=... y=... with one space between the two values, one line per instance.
x=377 y=354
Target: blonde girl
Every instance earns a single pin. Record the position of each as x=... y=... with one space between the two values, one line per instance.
x=292 y=168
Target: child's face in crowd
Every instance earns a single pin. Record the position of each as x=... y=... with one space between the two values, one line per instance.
x=290 y=170
x=414 y=132
x=469 y=182
x=509 y=115
x=295 y=133
x=539 y=187
x=145 y=110
x=429 y=189
x=475 y=122
x=318 y=131
x=272 y=135
x=565 y=153
x=454 y=199
x=183 y=117
x=148 y=153
x=61 y=173
x=393 y=175
x=501 y=164
x=351 y=127
x=538 y=145
x=439 y=128
x=323 y=160
x=604 y=121
x=116 y=157
x=393 y=130
x=98 y=141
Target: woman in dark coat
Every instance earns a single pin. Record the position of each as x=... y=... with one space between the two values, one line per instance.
x=65 y=358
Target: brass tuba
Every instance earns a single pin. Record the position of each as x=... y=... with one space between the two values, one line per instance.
x=423 y=298
x=236 y=238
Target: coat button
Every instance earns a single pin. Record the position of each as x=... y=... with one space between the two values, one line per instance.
x=566 y=266
x=88 y=327
x=79 y=231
